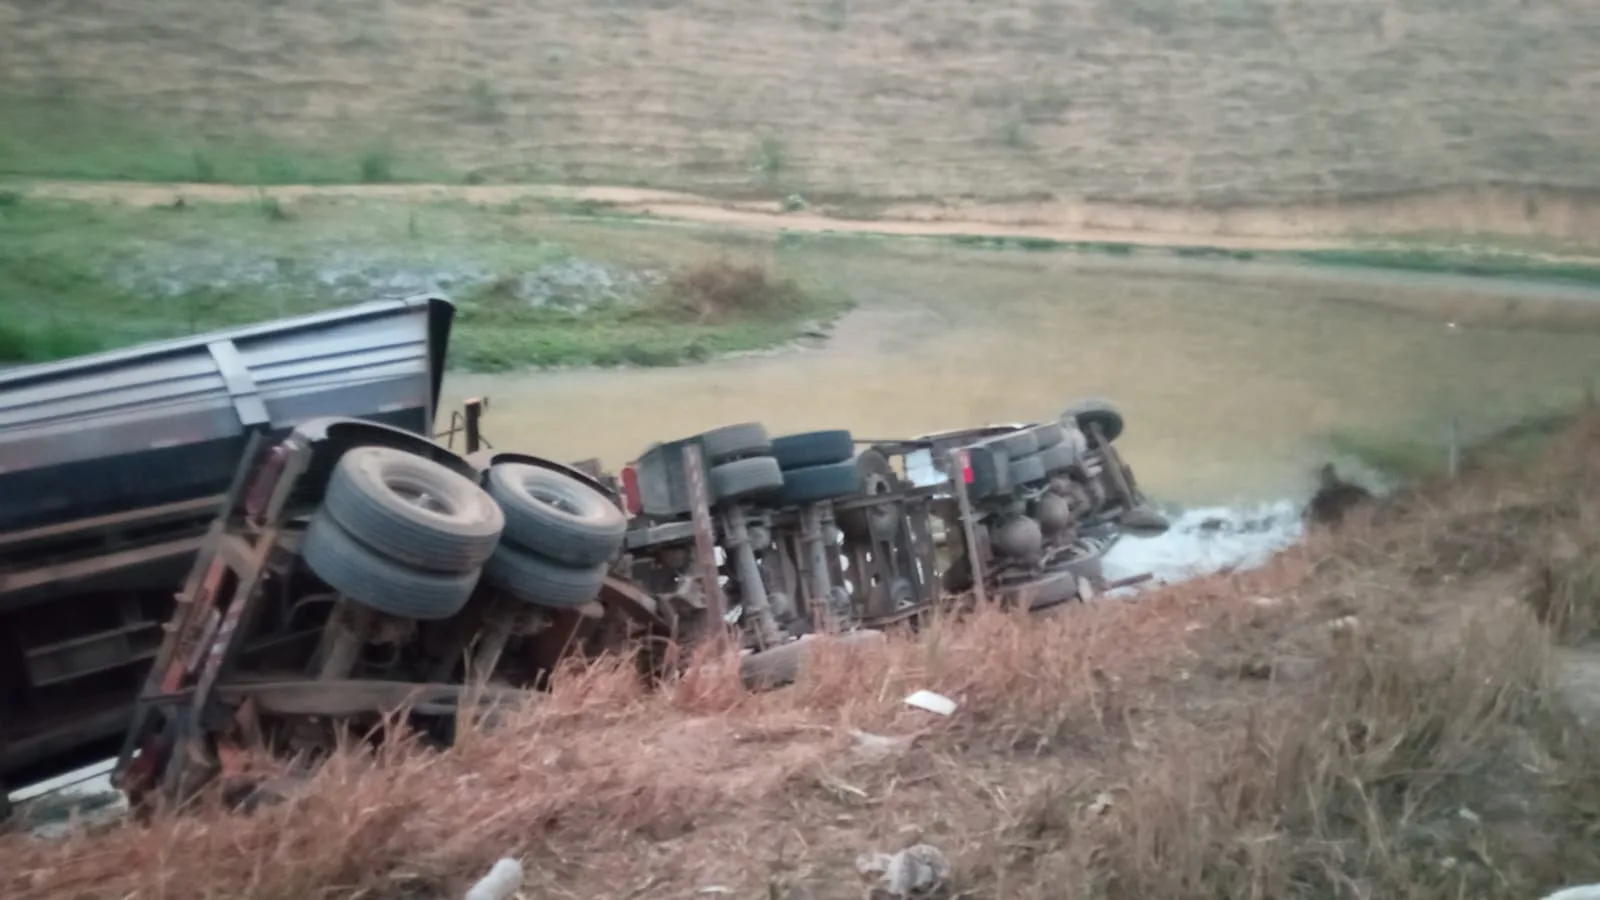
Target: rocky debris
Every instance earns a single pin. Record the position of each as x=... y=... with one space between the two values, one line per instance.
x=1578 y=679
x=64 y=814
x=1335 y=497
x=1101 y=804
x=353 y=276
x=581 y=284
x=917 y=871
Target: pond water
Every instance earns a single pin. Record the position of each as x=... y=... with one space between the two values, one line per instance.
x=1233 y=377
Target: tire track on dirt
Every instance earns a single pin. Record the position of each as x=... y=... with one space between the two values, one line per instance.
x=1068 y=223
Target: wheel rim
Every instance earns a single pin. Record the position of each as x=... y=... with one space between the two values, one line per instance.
x=419 y=496
x=555 y=501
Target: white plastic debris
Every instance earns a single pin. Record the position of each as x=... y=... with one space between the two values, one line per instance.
x=878 y=745
x=502 y=881
x=913 y=872
x=938 y=704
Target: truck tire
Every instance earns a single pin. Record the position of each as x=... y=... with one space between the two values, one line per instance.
x=1027 y=470
x=814 y=484
x=813 y=448
x=354 y=570
x=1100 y=412
x=1049 y=435
x=556 y=516
x=1017 y=444
x=413 y=510
x=735 y=442
x=877 y=480
x=745 y=478
x=1057 y=458
x=533 y=579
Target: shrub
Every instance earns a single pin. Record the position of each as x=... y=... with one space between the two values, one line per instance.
x=721 y=290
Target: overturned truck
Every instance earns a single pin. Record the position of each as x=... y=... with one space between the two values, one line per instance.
x=255 y=538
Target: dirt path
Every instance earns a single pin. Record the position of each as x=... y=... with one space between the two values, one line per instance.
x=1310 y=227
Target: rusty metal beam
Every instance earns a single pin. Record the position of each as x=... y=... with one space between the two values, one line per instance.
x=11 y=582
x=1113 y=463
x=474 y=410
x=969 y=529
x=784 y=665
x=633 y=601
x=351 y=697
x=145 y=516
x=705 y=542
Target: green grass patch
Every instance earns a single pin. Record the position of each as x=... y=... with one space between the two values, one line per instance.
x=1445 y=262
x=1403 y=458
x=1409 y=458
x=76 y=278
x=45 y=341
x=1491 y=264
x=70 y=140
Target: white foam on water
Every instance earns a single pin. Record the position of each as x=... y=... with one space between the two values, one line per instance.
x=1207 y=540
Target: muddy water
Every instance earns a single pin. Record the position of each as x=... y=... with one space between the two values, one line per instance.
x=1232 y=376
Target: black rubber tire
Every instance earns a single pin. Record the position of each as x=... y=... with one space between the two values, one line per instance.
x=813 y=448
x=1017 y=444
x=1058 y=458
x=1101 y=412
x=1049 y=435
x=814 y=484
x=735 y=442
x=744 y=478
x=531 y=578
x=455 y=536
x=877 y=479
x=585 y=529
x=1027 y=470
x=351 y=568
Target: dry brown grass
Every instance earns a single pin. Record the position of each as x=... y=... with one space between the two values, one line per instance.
x=1248 y=749
x=1164 y=100
x=718 y=290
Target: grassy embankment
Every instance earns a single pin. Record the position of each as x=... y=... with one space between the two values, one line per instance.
x=79 y=277
x=1394 y=710
x=76 y=277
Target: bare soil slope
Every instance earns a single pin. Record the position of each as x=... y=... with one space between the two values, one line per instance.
x=1175 y=101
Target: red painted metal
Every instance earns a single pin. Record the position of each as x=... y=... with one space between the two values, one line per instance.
x=630 y=489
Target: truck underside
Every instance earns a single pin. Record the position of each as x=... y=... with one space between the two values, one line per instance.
x=300 y=597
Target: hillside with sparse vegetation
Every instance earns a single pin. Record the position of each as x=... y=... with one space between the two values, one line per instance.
x=1170 y=101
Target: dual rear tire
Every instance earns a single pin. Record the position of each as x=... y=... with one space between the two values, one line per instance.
x=409 y=537
x=402 y=534
x=790 y=470
x=560 y=536
x=817 y=466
